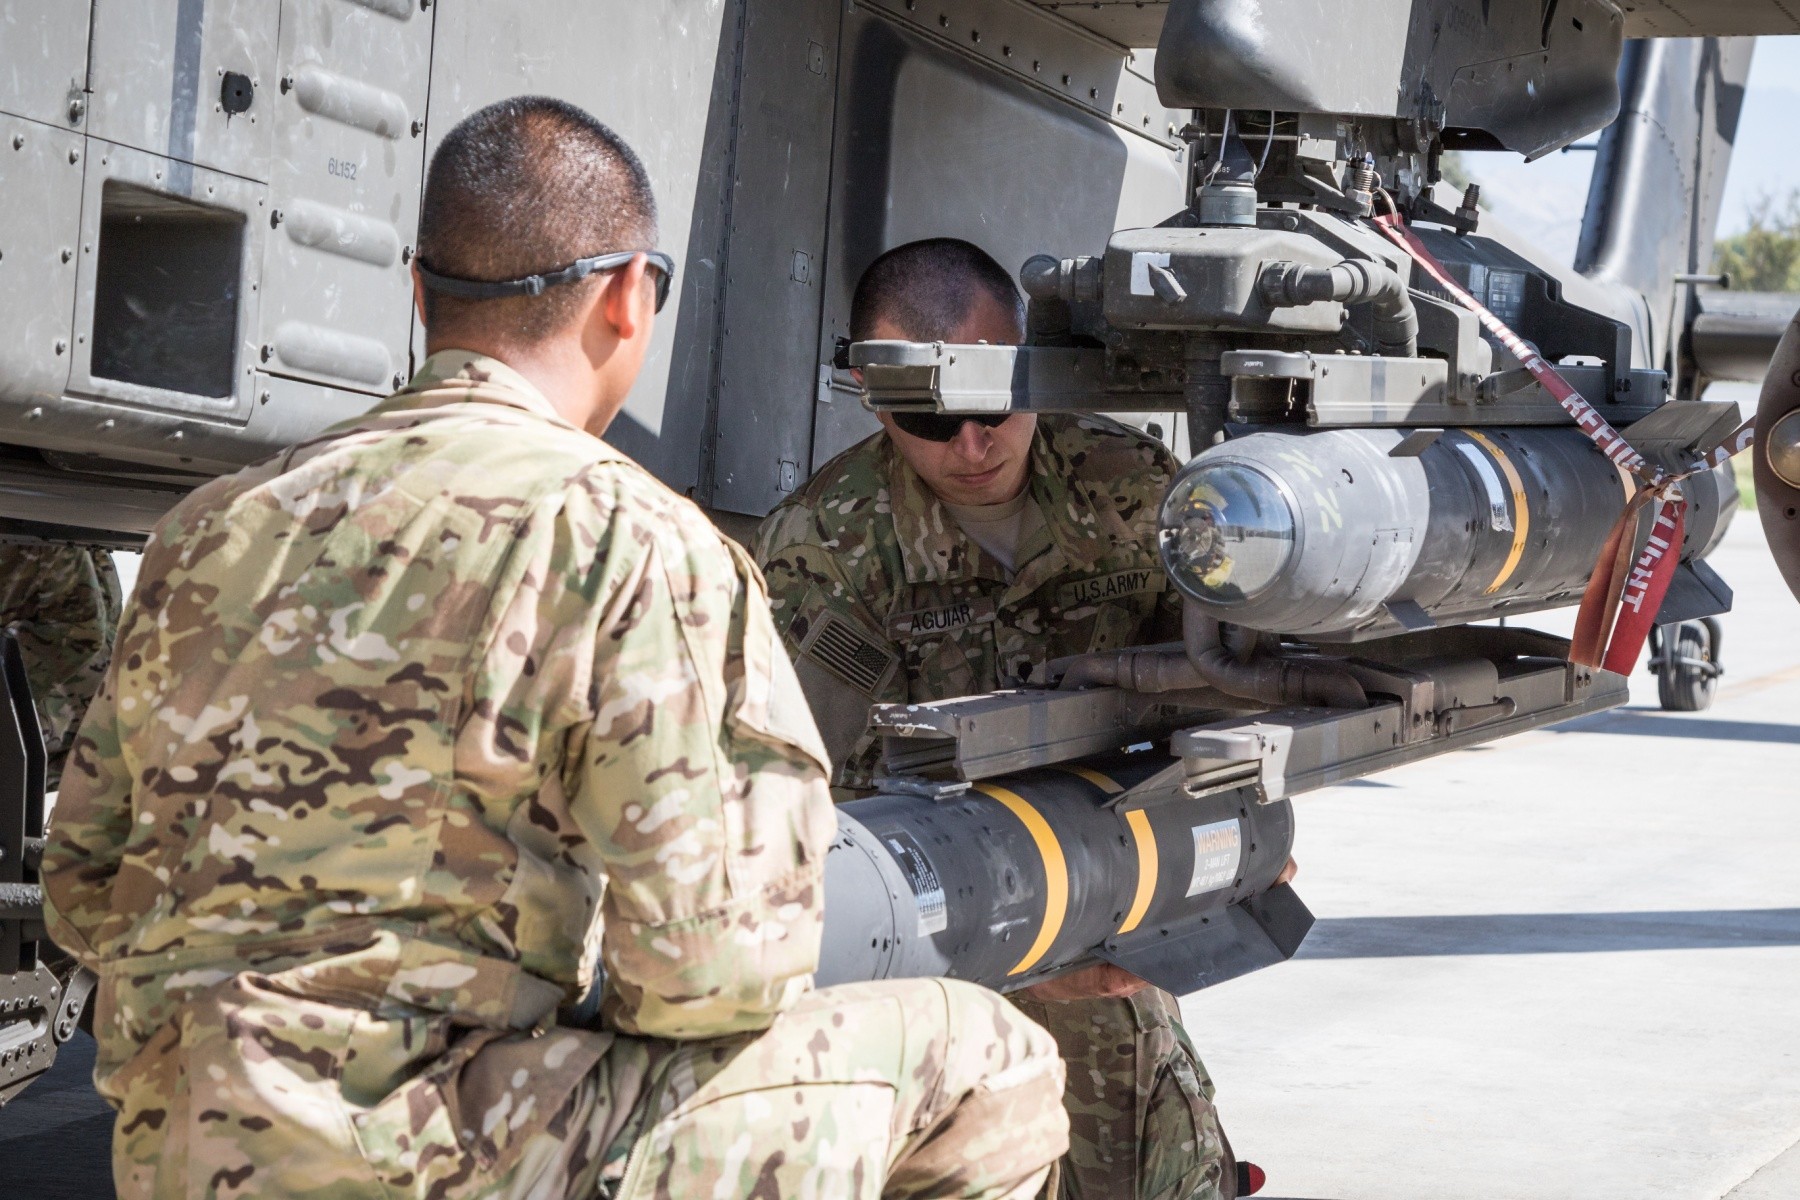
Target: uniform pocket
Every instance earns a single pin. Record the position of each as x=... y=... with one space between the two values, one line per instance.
x=265 y=1110
x=468 y=1115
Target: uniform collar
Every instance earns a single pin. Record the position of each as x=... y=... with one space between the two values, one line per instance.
x=934 y=548
x=464 y=376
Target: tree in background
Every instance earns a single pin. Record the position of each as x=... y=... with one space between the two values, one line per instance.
x=1766 y=256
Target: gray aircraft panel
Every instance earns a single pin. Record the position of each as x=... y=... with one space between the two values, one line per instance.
x=1127 y=22
x=349 y=115
x=1140 y=22
x=665 y=77
x=125 y=293
x=1709 y=18
x=1659 y=178
x=40 y=229
x=158 y=68
x=950 y=137
x=762 y=438
x=43 y=74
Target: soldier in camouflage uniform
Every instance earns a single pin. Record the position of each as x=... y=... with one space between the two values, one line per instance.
x=885 y=594
x=419 y=727
x=62 y=605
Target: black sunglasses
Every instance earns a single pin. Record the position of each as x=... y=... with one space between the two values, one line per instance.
x=535 y=285
x=943 y=427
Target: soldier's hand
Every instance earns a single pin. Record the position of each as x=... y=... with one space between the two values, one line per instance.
x=1287 y=873
x=1104 y=981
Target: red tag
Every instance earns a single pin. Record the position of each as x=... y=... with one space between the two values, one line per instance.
x=1646 y=587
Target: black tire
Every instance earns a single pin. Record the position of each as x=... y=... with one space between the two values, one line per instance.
x=1688 y=689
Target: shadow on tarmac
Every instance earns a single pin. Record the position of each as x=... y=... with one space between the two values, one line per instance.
x=56 y=1138
x=1637 y=722
x=1550 y=933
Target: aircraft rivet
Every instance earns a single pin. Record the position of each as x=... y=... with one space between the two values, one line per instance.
x=62 y=346
x=67 y=254
x=18 y=141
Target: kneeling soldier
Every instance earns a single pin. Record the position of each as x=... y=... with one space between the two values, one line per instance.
x=945 y=557
x=417 y=726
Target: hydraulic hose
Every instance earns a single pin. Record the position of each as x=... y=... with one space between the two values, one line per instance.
x=1266 y=678
x=1205 y=662
x=1152 y=670
x=1353 y=281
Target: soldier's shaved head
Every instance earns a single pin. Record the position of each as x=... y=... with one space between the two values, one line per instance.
x=927 y=289
x=519 y=188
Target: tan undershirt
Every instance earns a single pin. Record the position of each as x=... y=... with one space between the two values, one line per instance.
x=999 y=529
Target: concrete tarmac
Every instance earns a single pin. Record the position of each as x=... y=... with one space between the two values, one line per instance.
x=1563 y=965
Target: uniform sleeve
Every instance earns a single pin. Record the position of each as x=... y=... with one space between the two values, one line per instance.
x=846 y=662
x=701 y=780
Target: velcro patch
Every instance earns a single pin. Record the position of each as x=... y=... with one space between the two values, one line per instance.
x=944 y=619
x=1119 y=584
x=849 y=653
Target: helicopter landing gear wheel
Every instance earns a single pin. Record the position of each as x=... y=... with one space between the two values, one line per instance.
x=1685 y=659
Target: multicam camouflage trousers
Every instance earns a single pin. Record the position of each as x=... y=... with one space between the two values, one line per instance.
x=62 y=604
x=913 y=1089
x=1141 y=1120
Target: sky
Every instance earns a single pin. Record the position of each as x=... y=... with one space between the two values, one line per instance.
x=1545 y=199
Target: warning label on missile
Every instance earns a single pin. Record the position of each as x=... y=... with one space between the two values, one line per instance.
x=1218 y=853
x=1499 y=516
x=927 y=890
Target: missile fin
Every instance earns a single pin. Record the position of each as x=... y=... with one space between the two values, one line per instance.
x=1695 y=592
x=1416 y=443
x=1249 y=936
x=1412 y=618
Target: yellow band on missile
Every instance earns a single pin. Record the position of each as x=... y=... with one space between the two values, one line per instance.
x=1056 y=873
x=1109 y=786
x=1521 y=512
x=1147 y=864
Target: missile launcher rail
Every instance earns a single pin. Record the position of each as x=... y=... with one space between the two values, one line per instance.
x=1446 y=689
x=1012 y=788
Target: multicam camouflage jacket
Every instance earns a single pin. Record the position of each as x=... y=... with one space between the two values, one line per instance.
x=465 y=698
x=883 y=599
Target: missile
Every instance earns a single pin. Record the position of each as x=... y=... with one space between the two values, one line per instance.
x=1341 y=535
x=1009 y=881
